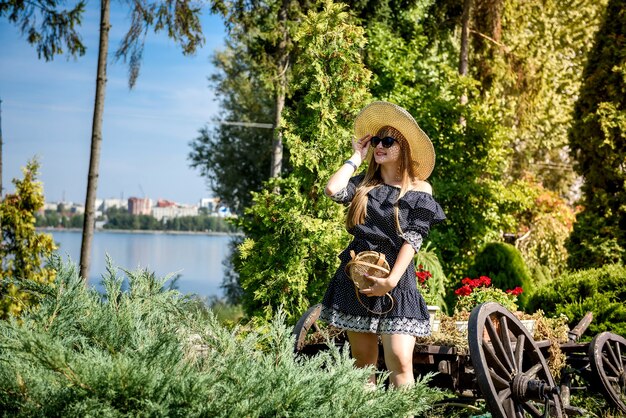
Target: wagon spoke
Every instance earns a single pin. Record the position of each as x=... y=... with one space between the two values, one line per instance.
x=532 y=372
x=612 y=379
x=619 y=355
x=509 y=407
x=612 y=353
x=532 y=410
x=497 y=344
x=606 y=361
x=493 y=360
x=497 y=379
x=519 y=411
x=506 y=341
x=519 y=351
x=504 y=394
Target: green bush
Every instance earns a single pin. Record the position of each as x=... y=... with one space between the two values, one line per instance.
x=146 y=352
x=504 y=264
x=434 y=288
x=599 y=290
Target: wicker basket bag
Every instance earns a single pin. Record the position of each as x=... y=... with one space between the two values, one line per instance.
x=371 y=263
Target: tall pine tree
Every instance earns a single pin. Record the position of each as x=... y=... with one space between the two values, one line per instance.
x=598 y=145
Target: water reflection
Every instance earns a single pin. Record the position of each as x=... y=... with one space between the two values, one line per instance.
x=197 y=258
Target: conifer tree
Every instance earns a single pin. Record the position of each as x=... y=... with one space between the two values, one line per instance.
x=48 y=26
x=598 y=145
x=140 y=349
x=23 y=250
x=293 y=237
x=529 y=57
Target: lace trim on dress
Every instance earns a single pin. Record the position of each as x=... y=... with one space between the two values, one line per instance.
x=340 y=196
x=409 y=326
x=413 y=238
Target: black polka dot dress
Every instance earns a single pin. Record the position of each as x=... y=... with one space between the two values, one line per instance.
x=418 y=211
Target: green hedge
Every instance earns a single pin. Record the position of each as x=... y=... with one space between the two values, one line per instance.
x=134 y=353
x=600 y=290
x=504 y=264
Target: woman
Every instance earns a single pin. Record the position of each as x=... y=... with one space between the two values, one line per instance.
x=391 y=211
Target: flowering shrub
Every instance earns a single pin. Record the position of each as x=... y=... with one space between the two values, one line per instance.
x=424 y=285
x=473 y=292
x=431 y=280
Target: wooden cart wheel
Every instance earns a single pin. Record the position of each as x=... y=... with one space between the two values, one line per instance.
x=607 y=354
x=304 y=324
x=511 y=372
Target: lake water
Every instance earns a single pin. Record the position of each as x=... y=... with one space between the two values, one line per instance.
x=196 y=257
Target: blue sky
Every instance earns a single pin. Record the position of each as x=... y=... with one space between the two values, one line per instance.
x=47 y=112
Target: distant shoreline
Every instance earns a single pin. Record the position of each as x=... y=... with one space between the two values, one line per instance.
x=142 y=231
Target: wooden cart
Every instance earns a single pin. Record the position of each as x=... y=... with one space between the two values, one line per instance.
x=507 y=368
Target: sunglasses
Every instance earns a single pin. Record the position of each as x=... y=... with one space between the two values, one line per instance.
x=386 y=141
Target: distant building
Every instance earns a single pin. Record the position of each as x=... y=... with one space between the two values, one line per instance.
x=139 y=206
x=210 y=203
x=50 y=206
x=162 y=203
x=107 y=204
x=170 y=212
x=77 y=209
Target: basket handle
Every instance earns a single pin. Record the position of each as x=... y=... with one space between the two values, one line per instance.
x=363 y=263
x=358 y=296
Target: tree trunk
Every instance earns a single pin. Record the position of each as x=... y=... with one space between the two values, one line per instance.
x=277 y=145
x=464 y=58
x=96 y=140
x=282 y=65
x=465 y=21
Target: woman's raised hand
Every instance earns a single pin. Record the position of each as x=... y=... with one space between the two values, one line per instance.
x=360 y=146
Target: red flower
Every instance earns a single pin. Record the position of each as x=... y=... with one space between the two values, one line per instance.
x=463 y=290
x=484 y=280
x=517 y=291
x=423 y=275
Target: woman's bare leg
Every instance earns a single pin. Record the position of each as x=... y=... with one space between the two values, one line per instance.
x=364 y=349
x=399 y=358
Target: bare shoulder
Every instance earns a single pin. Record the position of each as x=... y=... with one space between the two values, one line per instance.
x=422 y=186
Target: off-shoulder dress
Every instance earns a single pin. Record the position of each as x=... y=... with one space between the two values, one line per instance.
x=418 y=211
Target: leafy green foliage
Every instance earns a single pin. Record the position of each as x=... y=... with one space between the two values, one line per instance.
x=22 y=249
x=52 y=218
x=46 y=26
x=544 y=228
x=599 y=290
x=121 y=219
x=434 y=287
x=470 y=158
x=504 y=264
x=294 y=232
x=598 y=144
x=147 y=352
x=180 y=19
x=530 y=71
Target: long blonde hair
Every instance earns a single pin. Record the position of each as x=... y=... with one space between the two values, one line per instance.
x=357 y=211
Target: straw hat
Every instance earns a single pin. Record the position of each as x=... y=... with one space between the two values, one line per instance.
x=378 y=114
